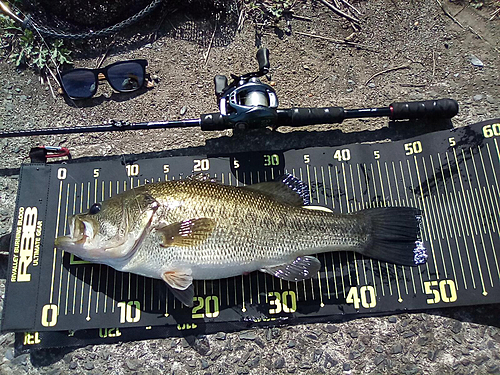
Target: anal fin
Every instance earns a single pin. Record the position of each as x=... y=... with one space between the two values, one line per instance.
x=180 y=283
x=302 y=268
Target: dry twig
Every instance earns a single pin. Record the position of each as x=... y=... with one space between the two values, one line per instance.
x=211 y=42
x=433 y=64
x=350 y=6
x=494 y=14
x=407 y=66
x=340 y=13
x=354 y=44
x=449 y=14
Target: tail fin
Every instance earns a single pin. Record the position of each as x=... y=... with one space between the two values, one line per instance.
x=395 y=236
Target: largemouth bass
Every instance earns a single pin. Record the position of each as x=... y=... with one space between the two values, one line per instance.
x=200 y=229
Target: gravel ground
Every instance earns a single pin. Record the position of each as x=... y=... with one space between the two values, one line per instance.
x=307 y=72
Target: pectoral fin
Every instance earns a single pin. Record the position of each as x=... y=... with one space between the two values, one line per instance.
x=190 y=232
x=303 y=267
x=180 y=283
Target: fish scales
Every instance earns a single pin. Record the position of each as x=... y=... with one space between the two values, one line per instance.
x=251 y=231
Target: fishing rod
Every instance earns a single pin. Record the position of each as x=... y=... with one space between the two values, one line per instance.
x=247 y=103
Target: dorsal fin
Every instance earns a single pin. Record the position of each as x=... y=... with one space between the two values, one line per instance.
x=285 y=189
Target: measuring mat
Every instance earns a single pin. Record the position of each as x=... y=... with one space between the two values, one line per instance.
x=451 y=176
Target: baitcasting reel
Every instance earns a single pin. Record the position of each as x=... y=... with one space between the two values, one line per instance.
x=247 y=102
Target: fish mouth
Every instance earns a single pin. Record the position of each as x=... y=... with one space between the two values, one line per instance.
x=80 y=231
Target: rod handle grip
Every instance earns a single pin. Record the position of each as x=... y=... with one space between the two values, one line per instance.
x=439 y=109
x=310 y=116
x=214 y=121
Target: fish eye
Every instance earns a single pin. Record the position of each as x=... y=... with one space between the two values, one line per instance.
x=96 y=207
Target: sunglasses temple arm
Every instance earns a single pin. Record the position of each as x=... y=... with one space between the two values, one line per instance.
x=114 y=126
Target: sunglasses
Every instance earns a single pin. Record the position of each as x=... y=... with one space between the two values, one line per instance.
x=123 y=76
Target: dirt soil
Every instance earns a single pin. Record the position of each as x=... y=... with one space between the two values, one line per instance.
x=307 y=72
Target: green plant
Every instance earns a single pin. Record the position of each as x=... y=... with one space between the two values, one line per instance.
x=27 y=50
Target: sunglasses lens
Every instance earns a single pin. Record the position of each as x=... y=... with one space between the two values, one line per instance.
x=127 y=76
x=79 y=84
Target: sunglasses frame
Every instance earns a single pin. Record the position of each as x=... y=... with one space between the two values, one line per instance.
x=104 y=71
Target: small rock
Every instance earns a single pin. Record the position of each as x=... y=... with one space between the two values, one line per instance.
x=202 y=345
x=133 y=364
x=292 y=369
x=22 y=97
x=372 y=85
x=305 y=366
x=346 y=366
x=183 y=110
x=431 y=355
x=204 y=364
x=456 y=327
x=306 y=67
x=279 y=363
x=312 y=336
x=73 y=365
x=490 y=99
x=260 y=343
x=492 y=368
x=408 y=334
x=330 y=328
x=244 y=358
x=329 y=360
x=354 y=354
x=480 y=360
x=351 y=82
x=105 y=355
x=353 y=334
x=378 y=360
x=291 y=344
x=477 y=98
x=248 y=335
x=349 y=90
x=379 y=349
x=423 y=340
x=317 y=354
x=220 y=336
x=17 y=89
x=184 y=343
x=254 y=362
x=88 y=366
x=392 y=319
x=9 y=354
x=397 y=348
x=411 y=369
x=475 y=61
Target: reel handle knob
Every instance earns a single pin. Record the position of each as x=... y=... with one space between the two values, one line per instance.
x=220 y=84
x=263 y=59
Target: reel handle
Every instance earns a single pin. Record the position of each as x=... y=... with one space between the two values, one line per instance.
x=263 y=60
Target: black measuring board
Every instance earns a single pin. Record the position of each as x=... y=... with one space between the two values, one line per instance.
x=452 y=176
